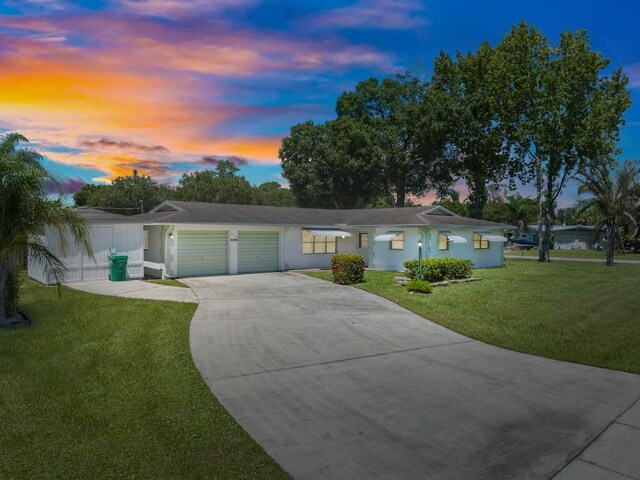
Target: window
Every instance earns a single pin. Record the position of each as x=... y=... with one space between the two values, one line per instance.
x=315 y=244
x=479 y=242
x=397 y=243
x=443 y=242
x=363 y=240
x=145 y=239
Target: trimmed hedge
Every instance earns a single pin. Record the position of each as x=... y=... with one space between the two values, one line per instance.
x=439 y=269
x=420 y=286
x=347 y=268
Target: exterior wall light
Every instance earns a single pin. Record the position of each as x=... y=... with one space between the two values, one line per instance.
x=420 y=259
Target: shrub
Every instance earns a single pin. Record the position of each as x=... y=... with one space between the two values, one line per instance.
x=420 y=286
x=347 y=268
x=439 y=269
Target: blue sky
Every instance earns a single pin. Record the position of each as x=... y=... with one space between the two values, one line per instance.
x=103 y=87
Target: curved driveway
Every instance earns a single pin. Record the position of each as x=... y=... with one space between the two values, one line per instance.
x=336 y=383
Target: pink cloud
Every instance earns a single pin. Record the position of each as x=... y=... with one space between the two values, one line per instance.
x=181 y=8
x=380 y=14
x=123 y=145
x=66 y=185
x=223 y=50
x=141 y=93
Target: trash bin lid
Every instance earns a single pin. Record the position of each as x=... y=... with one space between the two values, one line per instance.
x=118 y=257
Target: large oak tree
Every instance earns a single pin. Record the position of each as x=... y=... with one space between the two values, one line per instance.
x=412 y=131
x=336 y=164
x=481 y=156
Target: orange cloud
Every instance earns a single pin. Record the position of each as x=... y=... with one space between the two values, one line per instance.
x=115 y=165
x=260 y=149
x=139 y=81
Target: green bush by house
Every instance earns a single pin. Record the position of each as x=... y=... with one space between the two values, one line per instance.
x=347 y=268
x=420 y=286
x=439 y=269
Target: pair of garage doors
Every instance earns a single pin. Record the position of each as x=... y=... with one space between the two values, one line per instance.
x=207 y=253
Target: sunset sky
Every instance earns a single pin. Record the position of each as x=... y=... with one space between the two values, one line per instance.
x=170 y=86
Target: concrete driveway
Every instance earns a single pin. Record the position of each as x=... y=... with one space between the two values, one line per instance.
x=336 y=383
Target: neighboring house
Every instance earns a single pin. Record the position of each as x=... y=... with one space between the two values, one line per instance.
x=192 y=238
x=566 y=235
x=179 y=239
x=108 y=231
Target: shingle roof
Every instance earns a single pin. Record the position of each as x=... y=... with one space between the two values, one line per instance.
x=94 y=215
x=217 y=213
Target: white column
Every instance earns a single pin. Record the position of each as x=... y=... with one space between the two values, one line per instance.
x=233 y=252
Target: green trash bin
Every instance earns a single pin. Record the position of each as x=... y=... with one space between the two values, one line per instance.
x=118 y=268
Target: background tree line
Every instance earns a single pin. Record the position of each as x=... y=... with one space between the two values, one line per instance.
x=136 y=193
x=525 y=111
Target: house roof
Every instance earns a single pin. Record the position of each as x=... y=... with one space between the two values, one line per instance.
x=94 y=215
x=217 y=213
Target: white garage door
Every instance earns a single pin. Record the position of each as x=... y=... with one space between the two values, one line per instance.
x=202 y=253
x=258 y=252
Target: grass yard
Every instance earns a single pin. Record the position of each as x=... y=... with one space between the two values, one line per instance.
x=103 y=387
x=580 y=312
x=169 y=282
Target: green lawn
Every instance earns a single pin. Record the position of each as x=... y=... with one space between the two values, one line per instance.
x=580 y=312
x=169 y=282
x=103 y=387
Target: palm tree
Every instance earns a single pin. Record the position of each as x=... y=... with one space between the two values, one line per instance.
x=25 y=210
x=614 y=196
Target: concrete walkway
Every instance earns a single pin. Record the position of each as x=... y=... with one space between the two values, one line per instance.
x=136 y=289
x=336 y=383
x=578 y=260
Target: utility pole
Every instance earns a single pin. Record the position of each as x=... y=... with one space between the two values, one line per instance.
x=141 y=206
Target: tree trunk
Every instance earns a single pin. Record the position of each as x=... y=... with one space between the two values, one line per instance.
x=400 y=194
x=479 y=195
x=611 y=244
x=546 y=237
x=543 y=254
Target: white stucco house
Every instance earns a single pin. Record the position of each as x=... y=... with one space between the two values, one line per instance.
x=192 y=238
x=180 y=239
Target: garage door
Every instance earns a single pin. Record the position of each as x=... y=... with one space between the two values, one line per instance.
x=202 y=253
x=258 y=252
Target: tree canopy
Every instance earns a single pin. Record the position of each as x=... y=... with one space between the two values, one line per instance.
x=332 y=165
x=560 y=112
x=220 y=185
x=412 y=131
x=481 y=151
x=127 y=195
